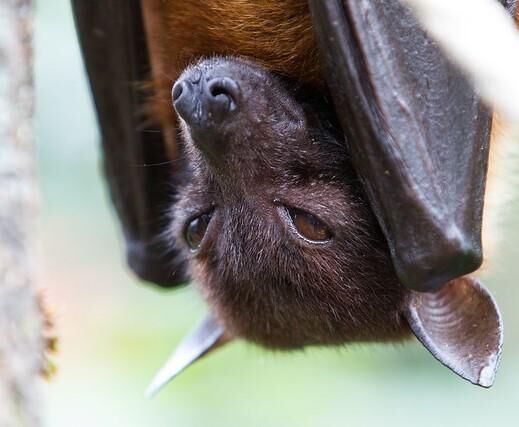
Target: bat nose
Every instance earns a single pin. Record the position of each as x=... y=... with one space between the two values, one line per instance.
x=204 y=102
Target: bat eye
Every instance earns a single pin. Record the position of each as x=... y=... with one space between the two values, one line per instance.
x=196 y=229
x=309 y=226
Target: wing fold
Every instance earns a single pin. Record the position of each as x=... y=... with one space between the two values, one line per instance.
x=418 y=132
x=111 y=35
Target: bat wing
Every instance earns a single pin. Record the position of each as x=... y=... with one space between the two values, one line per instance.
x=112 y=39
x=418 y=132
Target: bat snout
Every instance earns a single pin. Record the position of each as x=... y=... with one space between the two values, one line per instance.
x=203 y=101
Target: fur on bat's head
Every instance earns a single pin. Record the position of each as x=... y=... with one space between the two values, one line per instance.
x=277 y=234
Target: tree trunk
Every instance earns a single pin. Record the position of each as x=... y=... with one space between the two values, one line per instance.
x=21 y=343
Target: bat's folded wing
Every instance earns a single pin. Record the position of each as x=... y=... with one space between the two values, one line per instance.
x=418 y=132
x=112 y=38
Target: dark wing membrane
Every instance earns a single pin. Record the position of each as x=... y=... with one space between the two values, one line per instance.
x=112 y=39
x=418 y=132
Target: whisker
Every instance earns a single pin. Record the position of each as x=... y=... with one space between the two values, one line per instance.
x=148 y=165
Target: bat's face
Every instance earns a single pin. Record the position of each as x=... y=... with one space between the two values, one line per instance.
x=273 y=224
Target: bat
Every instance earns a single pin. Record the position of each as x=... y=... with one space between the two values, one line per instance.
x=275 y=227
x=418 y=147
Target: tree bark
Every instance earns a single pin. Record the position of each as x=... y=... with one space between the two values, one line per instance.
x=21 y=343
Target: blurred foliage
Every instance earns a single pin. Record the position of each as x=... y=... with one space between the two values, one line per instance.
x=115 y=333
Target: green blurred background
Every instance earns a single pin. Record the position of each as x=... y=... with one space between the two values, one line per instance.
x=115 y=332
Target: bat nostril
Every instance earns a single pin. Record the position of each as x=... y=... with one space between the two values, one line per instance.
x=184 y=99
x=218 y=90
x=224 y=89
x=178 y=89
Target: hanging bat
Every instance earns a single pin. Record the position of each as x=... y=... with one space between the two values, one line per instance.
x=277 y=233
x=418 y=138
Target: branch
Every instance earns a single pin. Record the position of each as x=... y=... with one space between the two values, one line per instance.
x=21 y=341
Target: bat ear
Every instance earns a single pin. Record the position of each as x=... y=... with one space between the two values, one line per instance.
x=461 y=326
x=208 y=336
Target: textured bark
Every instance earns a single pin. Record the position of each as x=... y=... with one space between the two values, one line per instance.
x=20 y=320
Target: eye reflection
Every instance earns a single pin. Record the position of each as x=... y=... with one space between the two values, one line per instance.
x=309 y=226
x=196 y=229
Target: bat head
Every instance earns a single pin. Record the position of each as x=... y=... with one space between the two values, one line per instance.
x=277 y=234
x=276 y=229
